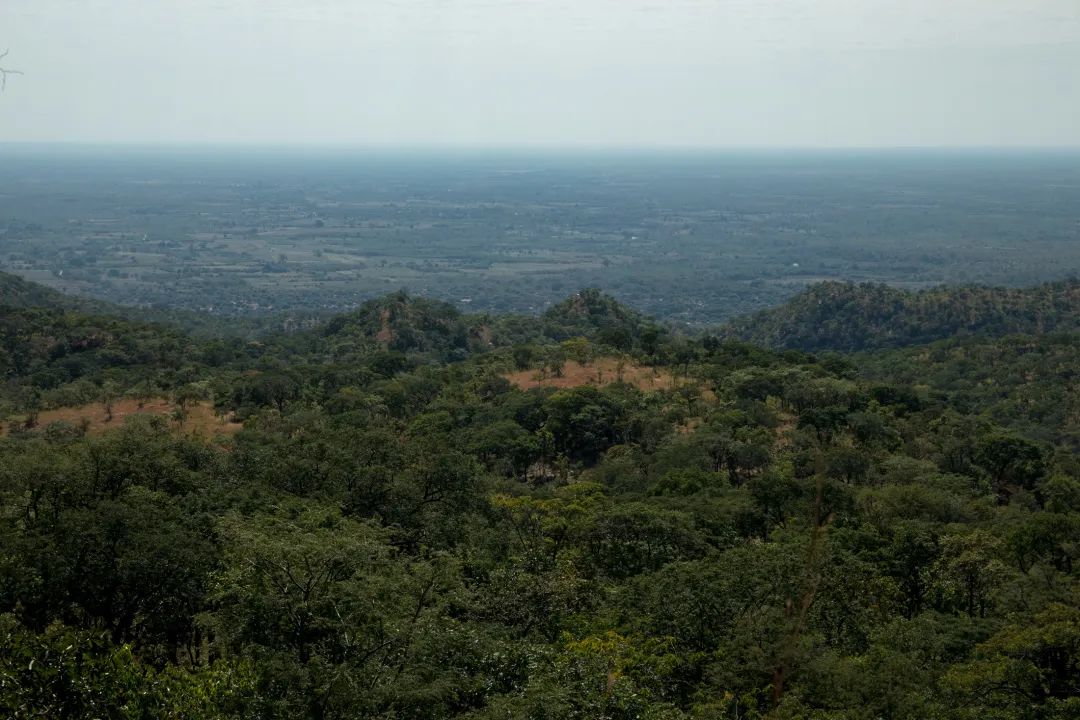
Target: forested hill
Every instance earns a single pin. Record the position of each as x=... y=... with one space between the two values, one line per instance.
x=591 y=313
x=1029 y=382
x=410 y=513
x=18 y=293
x=403 y=323
x=400 y=323
x=15 y=292
x=848 y=317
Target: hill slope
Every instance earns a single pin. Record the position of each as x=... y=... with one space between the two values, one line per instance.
x=404 y=323
x=593 y=314
x=399 y=322
x=1026 y=382
x=848 y=317
x=15 y=292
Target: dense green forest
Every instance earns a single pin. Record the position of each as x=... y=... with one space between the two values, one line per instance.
x=407 y=512
x=849 y=317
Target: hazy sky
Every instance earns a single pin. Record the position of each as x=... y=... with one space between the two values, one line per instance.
x=726 y=73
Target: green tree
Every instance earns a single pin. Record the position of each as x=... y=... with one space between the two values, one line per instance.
x=968 y=571
x=1028 y=670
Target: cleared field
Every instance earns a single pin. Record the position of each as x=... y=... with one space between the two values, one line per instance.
x=201 y=418
x=599 y=372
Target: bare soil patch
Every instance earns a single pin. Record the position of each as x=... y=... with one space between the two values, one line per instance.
x=599 y=372
x=201 y=418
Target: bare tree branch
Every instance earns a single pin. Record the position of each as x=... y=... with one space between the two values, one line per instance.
x=4 y=72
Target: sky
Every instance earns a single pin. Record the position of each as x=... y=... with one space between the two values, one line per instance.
x=544 y=73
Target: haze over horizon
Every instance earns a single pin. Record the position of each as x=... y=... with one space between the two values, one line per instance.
x=541 y=73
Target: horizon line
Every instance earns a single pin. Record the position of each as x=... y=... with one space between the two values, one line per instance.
x=573 y=148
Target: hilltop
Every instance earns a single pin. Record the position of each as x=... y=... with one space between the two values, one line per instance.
x=405 y=323
x=595 y=314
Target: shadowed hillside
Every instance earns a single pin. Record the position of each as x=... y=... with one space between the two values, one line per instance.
x=846 y=317
x=15 y=292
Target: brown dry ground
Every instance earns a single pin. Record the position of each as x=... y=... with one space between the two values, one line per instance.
x=604 y=371
x=599 y=372
x=201 y=418
x=385 y=334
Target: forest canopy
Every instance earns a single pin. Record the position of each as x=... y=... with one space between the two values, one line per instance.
x=409 y=512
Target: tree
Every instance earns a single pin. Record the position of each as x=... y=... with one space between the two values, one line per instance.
x=635 y=538
x=135 y=565
x=338 y=622
x=968 y=571
x=555 y=361
x=584 y=421
x=847 y=463
x=269 y=388
x=1012 y=462
x=183 y=399
x=741 y=451
x=578 y=349
x=109 y=393
x=1032 y=669
x=524 y=356
x=4 y=72
x=506 y=445
x=65 y=672
x=912 y=553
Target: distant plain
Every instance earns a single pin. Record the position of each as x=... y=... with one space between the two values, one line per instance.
x=690 y=238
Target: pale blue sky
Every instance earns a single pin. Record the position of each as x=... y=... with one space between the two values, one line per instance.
x=636 y=73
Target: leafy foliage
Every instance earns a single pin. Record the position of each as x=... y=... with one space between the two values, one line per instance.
x=848 y=317
x=398 y=531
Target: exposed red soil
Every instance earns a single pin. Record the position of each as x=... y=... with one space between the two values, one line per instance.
x=201 y=418
x=599 y=372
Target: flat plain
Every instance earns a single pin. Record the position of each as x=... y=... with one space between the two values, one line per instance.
x=691 y=238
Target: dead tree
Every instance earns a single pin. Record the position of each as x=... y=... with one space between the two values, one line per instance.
x=4 y=72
